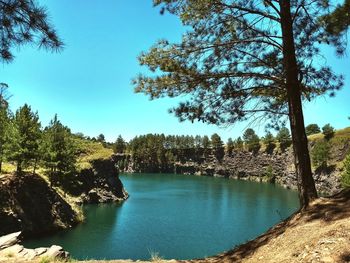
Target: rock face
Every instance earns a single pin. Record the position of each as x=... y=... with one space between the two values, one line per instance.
x=11 y=249
x=28 y=204
x=275 y=167
x=100 y=183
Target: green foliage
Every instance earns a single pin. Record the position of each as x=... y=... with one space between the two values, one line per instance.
x=345 y=177
x=270 y=174
x=284 y=138
x=312 y=129
x=320 y=154
x=269 y=142
x=24 y=22
x=58 y=151
x=230 y=146
x=238 y=143
x=26 y=138
x=228 y=67
x=328 y=131
x=120 y=145
x=218 y=146
x=251 y=140
x=339 y=20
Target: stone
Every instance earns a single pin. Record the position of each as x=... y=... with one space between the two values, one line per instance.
x=56 y=252
x=41 y=250
x=9 y=240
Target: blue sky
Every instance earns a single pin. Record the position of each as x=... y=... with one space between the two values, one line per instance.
x=89 y=86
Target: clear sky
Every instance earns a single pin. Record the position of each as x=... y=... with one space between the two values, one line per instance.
x=89 y=86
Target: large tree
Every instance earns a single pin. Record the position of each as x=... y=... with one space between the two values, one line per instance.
x=23 y=22
x=241 y=59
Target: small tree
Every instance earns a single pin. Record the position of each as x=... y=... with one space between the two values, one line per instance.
x=312 y=129
x=101 y=138
x=229 y=146
x=238 y=143
x=252 y=140
x=345 y=177
x=59 y=150
x=269 y=141
x=320 y=154
x=218 y=146
x=284 y=138
x=328 y=131
x=27 y=140
x=119 y=145
x=206 y=145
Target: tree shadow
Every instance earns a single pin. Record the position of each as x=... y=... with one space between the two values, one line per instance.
x=327 y=209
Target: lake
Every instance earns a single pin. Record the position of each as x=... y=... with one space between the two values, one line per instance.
x=176 y=216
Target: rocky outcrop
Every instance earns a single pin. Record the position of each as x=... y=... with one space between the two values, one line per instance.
x=28 y=204
x=100 y=183
x=10 y=248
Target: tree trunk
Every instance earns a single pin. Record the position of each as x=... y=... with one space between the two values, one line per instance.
x=306 y=184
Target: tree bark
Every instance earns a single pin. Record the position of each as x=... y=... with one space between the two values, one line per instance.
x=306 y=183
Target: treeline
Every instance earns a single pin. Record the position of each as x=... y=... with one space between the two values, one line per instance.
x=24 y=142
x=157 y=152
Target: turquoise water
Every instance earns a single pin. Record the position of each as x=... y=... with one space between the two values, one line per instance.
x=177 y=216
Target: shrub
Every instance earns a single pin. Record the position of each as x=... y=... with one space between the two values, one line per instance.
x=320 y=154
x=345 y=177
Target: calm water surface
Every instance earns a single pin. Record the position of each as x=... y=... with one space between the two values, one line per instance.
x=178 y=216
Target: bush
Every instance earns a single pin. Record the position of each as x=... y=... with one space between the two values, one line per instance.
x=345 y=177
x=320 y=154
x=328 y=131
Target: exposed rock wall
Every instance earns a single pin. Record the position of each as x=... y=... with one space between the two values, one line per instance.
x=101 y=183
x=277 y=167
x=28 y=204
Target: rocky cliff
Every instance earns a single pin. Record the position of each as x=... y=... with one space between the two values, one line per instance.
x=28 y=204
x=275 y=167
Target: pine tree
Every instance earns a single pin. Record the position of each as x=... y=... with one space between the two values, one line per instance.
x=320 y=154
x=269 y=142
x=229 y=146
x=24 y=22
x=328 y=132
x=238 y=144
x=283 y=137
x=119 y=145
x=251 y=140
x=244 y=58
x=59 y=150
x=217 y=146
x=26 y=138
x=345 y=177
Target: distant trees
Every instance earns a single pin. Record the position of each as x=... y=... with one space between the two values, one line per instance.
x=328 y=131
x=251 y=140
x=284 y=138
x=312 y=129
